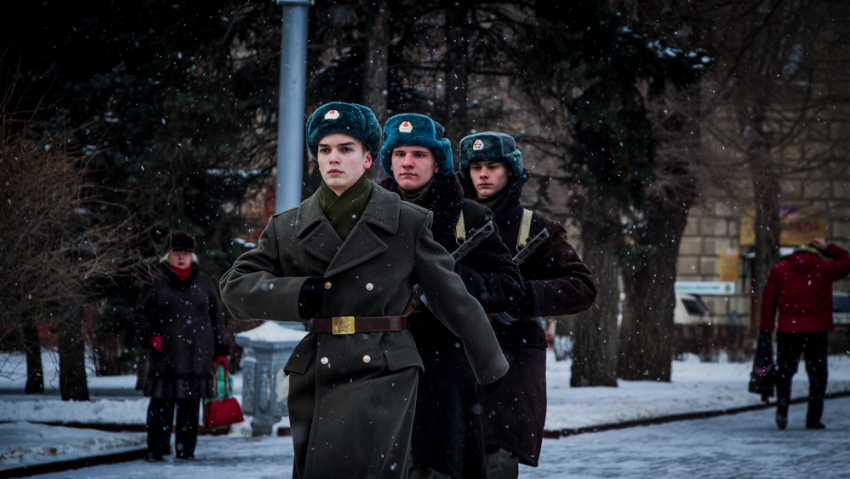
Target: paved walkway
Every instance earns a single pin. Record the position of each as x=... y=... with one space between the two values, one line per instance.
x=746 y=445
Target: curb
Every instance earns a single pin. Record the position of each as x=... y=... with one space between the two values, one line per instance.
x=80 y=463
x=689 y=416
x=113 y=427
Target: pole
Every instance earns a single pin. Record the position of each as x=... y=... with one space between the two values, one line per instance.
x=290 y=121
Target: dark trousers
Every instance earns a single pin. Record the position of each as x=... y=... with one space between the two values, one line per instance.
x=160 y=420
x=813 y=346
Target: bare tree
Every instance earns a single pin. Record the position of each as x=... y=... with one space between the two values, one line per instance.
x=52 y=254
x=781 y=80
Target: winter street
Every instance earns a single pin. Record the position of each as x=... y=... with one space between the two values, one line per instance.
x=742 y=445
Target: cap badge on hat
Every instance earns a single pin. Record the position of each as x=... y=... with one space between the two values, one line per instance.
x=478 y=145
x=405 y=127
x=331 y=115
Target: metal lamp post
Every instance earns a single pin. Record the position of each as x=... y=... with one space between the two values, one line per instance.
x=290 y=123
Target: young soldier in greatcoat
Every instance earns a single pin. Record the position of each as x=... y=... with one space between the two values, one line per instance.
x=345 y=262
x=447 y=434
x=556 y=282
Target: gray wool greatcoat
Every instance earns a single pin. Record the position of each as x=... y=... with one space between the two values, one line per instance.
x=352 y=397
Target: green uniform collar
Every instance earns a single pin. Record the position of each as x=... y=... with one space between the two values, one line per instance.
x=345 y=210
x=412 y=196
x=494 y=201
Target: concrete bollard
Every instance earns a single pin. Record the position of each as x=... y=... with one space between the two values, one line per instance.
x=265 y=386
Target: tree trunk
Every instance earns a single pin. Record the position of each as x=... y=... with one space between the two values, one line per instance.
x=32 y=348
x=72 y=356
x=646 y=333
x=375 y=86
x=457 y=74
x=595 y=347
x=767 y=226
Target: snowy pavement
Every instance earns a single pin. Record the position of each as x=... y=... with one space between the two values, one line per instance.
x=746 y=445
x=718 y=447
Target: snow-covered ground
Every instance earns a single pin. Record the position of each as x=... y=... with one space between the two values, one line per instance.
x=746 y=445
x=690 y=448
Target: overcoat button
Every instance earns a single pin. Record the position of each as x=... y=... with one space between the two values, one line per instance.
x=328 y=285
x=369 y=286
x=366 y=358
x=325 y=360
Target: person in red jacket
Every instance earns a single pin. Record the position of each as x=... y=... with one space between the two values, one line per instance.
x=799 y=289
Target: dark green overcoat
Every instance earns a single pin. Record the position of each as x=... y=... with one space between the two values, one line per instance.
x=352 y=397
x=514 y=417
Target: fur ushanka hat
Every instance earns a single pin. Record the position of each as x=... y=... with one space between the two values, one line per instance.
x=490 y=147
x=356 y=121
x=410 y=129
x=180 y=241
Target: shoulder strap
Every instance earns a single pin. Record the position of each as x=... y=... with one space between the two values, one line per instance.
x=524 y=228
x=460 y=228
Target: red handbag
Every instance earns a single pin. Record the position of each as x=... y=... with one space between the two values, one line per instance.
x=224 y=409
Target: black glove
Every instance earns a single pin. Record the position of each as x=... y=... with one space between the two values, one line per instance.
x=494 y=386
x=528 y=297
x=310 y=297
x=472 y=280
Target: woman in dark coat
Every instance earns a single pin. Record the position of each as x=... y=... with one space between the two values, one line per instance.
x=180 y=318
x=447 y=434
x=556 y=282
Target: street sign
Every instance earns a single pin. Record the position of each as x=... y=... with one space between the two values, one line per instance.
x=712 y=288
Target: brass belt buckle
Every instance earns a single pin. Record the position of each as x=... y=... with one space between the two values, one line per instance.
x=343 y=324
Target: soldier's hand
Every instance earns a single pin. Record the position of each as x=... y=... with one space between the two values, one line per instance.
x=311 y=296
x=819 y=243
x=494 y=386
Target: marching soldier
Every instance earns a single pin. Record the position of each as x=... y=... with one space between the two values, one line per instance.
x=345 y=262
x=556 y=282
x=447 y=434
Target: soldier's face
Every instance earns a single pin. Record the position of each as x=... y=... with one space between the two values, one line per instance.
x=342 y=161
x=413 y=166
x=488 y=178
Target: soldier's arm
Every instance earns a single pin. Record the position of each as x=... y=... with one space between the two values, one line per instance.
x=255 y=287
x=489 y=274
x=560 y=282
x=455 y=308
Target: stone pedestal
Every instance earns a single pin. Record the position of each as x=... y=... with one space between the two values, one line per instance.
x=265 y=386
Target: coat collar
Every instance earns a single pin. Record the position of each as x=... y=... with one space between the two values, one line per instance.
x=382 y=211
x=444 y=198
x=512 y=199
x=174 y=281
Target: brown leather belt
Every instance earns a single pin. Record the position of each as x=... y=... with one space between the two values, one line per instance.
x=351 y=324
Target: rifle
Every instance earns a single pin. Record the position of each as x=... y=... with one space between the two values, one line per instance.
x=474 y=239
x=519 y=259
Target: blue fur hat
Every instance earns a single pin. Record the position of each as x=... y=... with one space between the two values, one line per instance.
x=356 y=121
x=490 y=147
x=410 y=129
